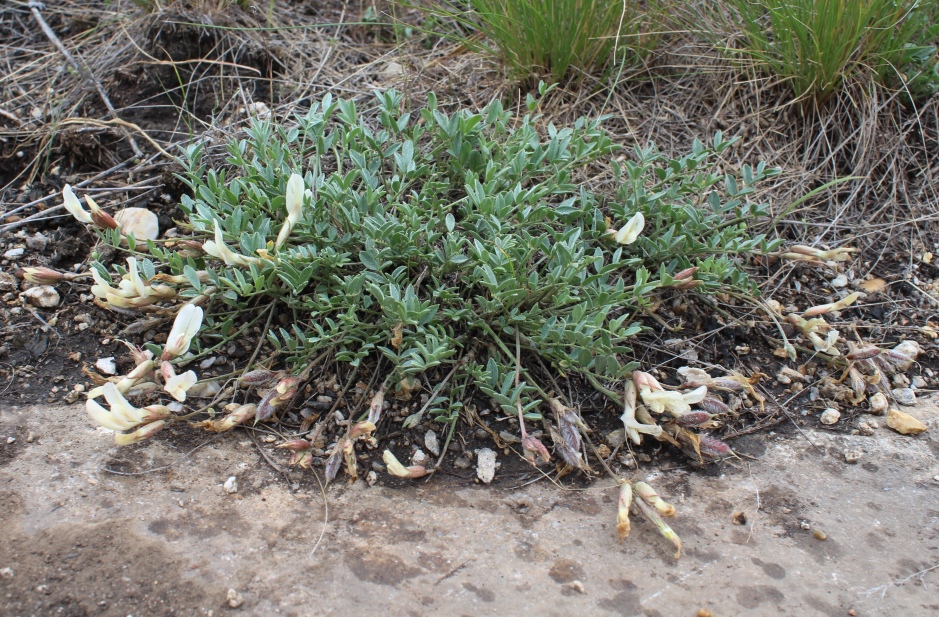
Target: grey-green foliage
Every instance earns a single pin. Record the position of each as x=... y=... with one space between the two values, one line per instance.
x=437 y=240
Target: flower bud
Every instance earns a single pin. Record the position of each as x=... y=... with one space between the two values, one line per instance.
x=99 y=217
x=648 y=494
x=395 y=467
x=43 y=276
x=144 y=432
x=622 y=510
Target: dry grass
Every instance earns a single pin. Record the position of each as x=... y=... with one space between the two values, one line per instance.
x=190 y=71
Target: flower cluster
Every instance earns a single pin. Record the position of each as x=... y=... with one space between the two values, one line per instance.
x=123 y=416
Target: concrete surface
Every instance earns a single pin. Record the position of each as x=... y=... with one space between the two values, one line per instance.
x=77 y=540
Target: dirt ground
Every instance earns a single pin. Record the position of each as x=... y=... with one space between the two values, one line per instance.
x=78 y=540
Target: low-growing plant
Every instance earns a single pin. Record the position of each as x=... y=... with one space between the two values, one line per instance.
x=427 y=244
x=555 y=39
x=818 y=45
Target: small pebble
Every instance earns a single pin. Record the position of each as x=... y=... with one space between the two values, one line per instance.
x=830 y=416
x=431 y=442
x=37 y=242
x=231 y=485
x=485 y=465
x=878 y=403
x=106 y=366
x=578 y=587
x=234 y=599
x=839 y=281
x=820 y=535
x=919 y=382
x=904 y=396
x=44 y=296
x=616 y=438
x=419 y=458
x=852 y=456
x=904 y=423
x=6 y=573
x=14 y=253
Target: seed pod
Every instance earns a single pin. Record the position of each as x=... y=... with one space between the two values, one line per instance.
x=687 y=273
x=857 y=381
x=648 y=494
x=375 y=407
x=259 y=377
x=280 y=395
x=714 y=405
x=864 y=353
x=534 y=449
x=622 y=510
x=694 y=418
x=241 y=414
x=295 y=445
x=715 y=447
x=144 y=432
x=361 y=428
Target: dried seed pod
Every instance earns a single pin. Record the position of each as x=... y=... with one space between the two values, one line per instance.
x=622 y=510
x=648 y=494
x=259 y=377
x=534 y=449
x=280 y=395
x=361 y=428
x=714 y=447
x=241 y=414
x=42 y=276
x=295 y=445
x=864 y=353
x=694 y=418
x=375 y=407
x=857 y=381
x=714 y=405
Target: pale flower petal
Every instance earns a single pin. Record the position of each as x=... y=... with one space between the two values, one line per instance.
x=631 y=230
x=177 y=385
x=74 y=206
x=120 y=407
x=185 y=327
x=695 y=396
x=105 y=418
x=135 y=279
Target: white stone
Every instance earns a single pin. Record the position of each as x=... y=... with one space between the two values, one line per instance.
x=106 y=365
x=486 y=465
x=231 y=485
x=830 y=416
x=44 y=296
x=140 y=223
